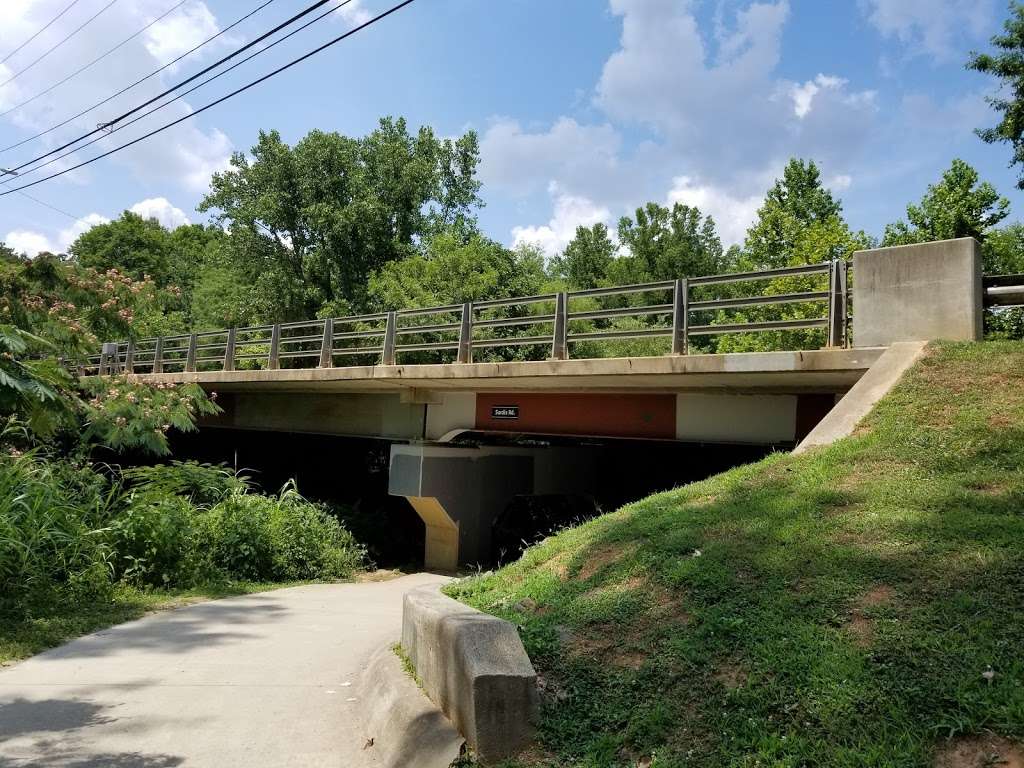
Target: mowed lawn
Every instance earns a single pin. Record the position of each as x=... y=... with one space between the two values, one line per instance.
x=860 y=605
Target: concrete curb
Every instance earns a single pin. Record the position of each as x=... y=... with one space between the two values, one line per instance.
x=474 y=667
x=858 y=402
x=407 y=729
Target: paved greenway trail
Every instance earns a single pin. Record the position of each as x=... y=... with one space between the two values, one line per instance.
x=270 y=679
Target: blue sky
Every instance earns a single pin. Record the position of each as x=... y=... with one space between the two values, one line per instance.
x=585 y=108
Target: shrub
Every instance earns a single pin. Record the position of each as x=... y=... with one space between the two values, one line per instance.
x=280 y=539
x=153 y=538
x=202 y=484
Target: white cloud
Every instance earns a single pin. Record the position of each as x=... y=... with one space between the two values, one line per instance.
x=931 y=27
x=732 y=215
x=160 y=208
x=839 y=182
x=184 y=155
x=182 y=31
x=352 y=12
x=803 y=95
x=33 y=243
x=570 y=212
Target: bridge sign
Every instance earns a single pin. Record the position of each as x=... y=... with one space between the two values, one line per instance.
x=504 y=411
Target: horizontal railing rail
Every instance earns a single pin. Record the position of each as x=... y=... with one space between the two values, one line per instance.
x=553 y=320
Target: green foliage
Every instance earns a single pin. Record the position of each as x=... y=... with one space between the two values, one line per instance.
x=1007 y=66
x=201 y=484
x=795 y=202
x=587 y=258
x=853 y=606
x=665 y=244
x=957 y=206
x=125 y=414
x=33 y=391
x=311 y=223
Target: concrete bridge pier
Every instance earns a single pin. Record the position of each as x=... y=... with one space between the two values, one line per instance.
x=458 y=491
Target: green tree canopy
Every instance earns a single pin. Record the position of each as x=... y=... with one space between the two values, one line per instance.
x=1003 y=251
x=586 y=259
x=311 y=223
x=957 y=206
x=665 y=244
x=131 y=244
x=1007 y=66
x=795 y=202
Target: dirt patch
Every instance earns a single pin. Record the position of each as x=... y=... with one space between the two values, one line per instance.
x=731 y=675
x=985 y=751
x=381 y=574
x=860 y=626
x=558 y=565
x=602 y=646
x=602 y=556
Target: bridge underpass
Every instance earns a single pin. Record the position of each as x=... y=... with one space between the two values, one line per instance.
x=467 y=437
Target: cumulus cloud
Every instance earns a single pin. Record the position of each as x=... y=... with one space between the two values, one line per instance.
x=160 y=208
x=33 y=243
x=717 y=121
x=570 y=212
x=733 y=215
x=185 y=155
x=930 y=27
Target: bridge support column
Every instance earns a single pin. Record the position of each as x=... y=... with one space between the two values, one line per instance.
x=457 y=492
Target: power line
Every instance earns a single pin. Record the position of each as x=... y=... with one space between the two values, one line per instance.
x=77 y=29
x=144 y=115
x=53 y=208
x=155 y=72
x=186 y=81
x=40 y=31
x=214 y=103
x=82 y=69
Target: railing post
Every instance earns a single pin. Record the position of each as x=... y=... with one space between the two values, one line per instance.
x=559 y=348
x=190 y=356
x=327 y=348
x=680 y=316
x=129 y=357
x=837 y=304
x=108 y=351
x=158 y=355
x=387 y=355
x=229 y=350
x=466 y=334
x=274 y=358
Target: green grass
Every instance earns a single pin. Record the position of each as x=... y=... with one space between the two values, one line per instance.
x=28 y=630
x=860 y=605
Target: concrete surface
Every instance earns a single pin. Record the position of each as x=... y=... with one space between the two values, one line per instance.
x=740 y=371
x=918 y=293
x=270 y=679
x=858 y=402
x=408 y=731
x=474 y=667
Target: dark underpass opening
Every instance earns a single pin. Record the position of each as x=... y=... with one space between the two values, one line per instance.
x=350 y=475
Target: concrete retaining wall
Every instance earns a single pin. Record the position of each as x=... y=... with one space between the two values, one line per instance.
x=474 y=667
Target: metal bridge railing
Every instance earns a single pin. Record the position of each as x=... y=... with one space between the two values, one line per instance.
x=669 y=307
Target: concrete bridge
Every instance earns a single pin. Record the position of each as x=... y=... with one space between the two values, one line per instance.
x=470 y=420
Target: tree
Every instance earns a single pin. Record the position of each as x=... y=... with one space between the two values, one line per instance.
x=587 y=257
x=1008 y=67
x=1002 y=253
x=957 y=206
x=665 y=244
x=311 y=223
x=795 y=202
x=130 y=244
x=450 y=271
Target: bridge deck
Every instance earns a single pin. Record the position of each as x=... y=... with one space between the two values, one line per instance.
x=826 y=369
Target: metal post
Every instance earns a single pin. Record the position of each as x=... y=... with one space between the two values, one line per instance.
x=387 y=356
x=844 y=299
x=837 y=304
x=274 y=358
x=327 y=348
x=559 y=348
x=680 y=316
x=466 y=334
x=129 y=357
x=158 y=355
x=190 y=356
x=108 y=359
x=229 y=350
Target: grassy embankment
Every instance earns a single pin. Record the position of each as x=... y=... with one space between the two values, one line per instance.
x=861 y=605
